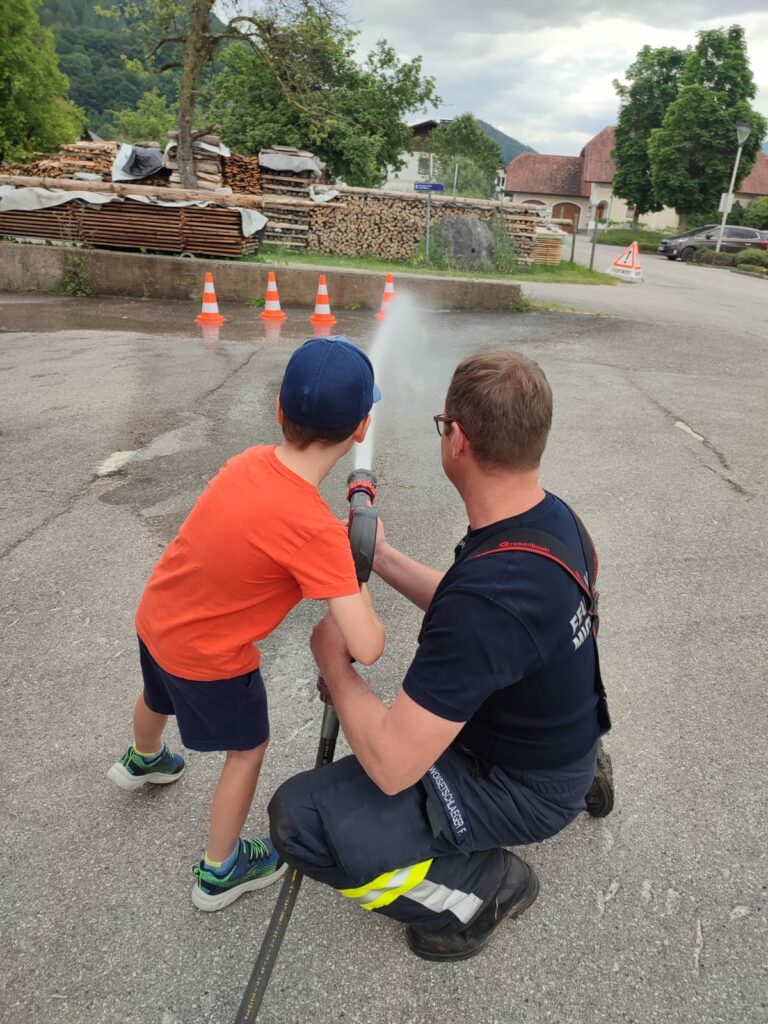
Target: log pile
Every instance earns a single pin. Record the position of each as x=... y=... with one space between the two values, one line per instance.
x=390 y=225
x=209 y=166
x=210 y=231
x=242 y=174
x=90 y=157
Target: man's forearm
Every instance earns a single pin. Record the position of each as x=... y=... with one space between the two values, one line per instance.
x=413 y=580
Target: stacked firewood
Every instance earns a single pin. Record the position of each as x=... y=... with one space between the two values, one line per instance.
x=209 y=169
x=390 y=224
x=90 y=157
x=242 y=174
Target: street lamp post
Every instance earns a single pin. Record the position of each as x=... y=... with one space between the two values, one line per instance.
x=742 y=133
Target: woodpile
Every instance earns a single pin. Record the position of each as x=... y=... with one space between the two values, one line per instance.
x=209 y=166
x=88 y=157
x=209 y=231
x=390 y=225
x=242 y=174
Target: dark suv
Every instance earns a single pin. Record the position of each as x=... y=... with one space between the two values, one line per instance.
x=685 y=246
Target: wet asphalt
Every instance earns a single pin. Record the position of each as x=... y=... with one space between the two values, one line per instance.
x=655 y=914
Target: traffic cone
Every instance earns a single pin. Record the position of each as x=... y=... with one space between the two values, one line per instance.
x=272 y=309
x=386 y=299
x=322 y=314
x=209 y=314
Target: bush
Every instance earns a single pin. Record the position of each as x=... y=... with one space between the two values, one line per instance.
x=756 y=214
x=761 y=271
x=710 y=258
x=752 y=258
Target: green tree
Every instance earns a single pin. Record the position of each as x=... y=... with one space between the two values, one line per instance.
x=152 y=119
x=34 y=113
x=654 y=82
x=462 y=145
x=756 y=214
x=692 y=153
x=311 y=92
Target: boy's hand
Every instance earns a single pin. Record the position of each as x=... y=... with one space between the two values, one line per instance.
x=328 y=647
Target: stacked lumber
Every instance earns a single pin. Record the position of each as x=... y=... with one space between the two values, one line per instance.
x=242 y=174
x=548 y=248
x=390 y=224
x=287 y=226
x=209 y=169
x=209 y=231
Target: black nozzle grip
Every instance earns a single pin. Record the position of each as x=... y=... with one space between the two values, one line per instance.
x=362 y=539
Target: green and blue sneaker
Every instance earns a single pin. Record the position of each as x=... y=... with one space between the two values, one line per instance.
x=257 y=865
x=132 y=771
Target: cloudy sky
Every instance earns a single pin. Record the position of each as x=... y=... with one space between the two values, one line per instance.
x=541 y=70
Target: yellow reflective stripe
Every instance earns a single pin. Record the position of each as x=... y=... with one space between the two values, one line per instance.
x=386 y=888
x=377 y=883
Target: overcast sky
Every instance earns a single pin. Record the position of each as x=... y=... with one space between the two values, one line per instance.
x=542 y=70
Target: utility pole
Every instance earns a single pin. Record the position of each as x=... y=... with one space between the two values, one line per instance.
x=742 y=134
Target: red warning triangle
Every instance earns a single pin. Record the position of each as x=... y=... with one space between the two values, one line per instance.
x=630 y=258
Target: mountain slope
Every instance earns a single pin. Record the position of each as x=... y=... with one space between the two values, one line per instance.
x=510 y=148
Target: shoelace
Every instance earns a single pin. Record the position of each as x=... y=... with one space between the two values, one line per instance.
x=258 y=848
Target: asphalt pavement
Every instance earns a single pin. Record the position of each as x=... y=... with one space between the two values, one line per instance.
x=655 y=914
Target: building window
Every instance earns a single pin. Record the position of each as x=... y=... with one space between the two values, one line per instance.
x=424 y=164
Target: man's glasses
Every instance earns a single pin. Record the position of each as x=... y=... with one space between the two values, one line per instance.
x=442 y=421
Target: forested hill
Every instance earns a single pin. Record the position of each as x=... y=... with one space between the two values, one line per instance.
x=510 y=148
x=93 y=50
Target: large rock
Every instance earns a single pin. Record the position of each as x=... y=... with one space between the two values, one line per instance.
x=468 y=241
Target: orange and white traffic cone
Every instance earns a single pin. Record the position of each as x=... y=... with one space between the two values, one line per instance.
x=272 y=309
x=209 y=314
x=386 y=299
x=322 y=314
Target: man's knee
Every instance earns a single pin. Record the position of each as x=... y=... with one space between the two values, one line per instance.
x=280 y=810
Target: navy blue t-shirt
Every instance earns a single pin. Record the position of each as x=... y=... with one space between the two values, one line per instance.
x=506 y=647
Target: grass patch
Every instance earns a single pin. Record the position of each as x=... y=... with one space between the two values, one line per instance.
x=647 y=241
x=563 y=273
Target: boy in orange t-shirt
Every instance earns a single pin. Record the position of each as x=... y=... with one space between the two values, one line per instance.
x=258 y=540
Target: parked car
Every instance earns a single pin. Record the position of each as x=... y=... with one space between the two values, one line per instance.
x=686 y=245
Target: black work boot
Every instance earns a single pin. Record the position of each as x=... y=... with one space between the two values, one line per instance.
x=518 y=889
x=600 y=796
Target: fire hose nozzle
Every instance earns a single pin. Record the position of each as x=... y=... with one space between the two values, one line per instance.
x=362 y=482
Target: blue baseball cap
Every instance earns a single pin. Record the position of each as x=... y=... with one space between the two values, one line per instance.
x=328 y=384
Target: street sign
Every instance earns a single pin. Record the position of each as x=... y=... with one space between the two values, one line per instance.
x=428 y=186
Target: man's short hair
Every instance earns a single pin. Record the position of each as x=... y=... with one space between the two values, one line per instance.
x=503 y=402
x=302 y=437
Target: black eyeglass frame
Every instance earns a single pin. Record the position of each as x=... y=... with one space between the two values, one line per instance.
x=445 y=420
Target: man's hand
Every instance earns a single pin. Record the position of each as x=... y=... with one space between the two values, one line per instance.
x=380 y=551
x=328 y=647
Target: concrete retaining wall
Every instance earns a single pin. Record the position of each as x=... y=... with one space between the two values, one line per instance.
x=40 y=268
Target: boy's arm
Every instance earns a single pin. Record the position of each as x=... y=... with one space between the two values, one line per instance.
x=359 y=624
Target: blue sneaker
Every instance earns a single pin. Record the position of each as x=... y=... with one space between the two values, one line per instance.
x=257 y=866
x=133 y=772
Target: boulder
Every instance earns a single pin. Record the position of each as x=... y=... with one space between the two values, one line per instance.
x=468 y=241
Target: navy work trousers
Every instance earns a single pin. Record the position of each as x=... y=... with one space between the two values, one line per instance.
x=431 y=855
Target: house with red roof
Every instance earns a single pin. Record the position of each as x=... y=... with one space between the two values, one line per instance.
x=576 y=188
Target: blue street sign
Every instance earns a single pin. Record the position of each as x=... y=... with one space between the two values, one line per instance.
x=428 y=186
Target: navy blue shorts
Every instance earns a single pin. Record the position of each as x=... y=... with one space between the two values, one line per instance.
x=224 y=714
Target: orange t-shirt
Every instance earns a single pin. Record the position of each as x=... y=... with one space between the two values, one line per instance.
x=258 y=539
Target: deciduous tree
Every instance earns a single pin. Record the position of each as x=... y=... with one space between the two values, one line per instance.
x=309 y=90
x=34 y=112
x=653 y=83
x=692 y=153
x=462 y=145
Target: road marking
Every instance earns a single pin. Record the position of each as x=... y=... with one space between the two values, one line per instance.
x=684 y=427
x=114 y=462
